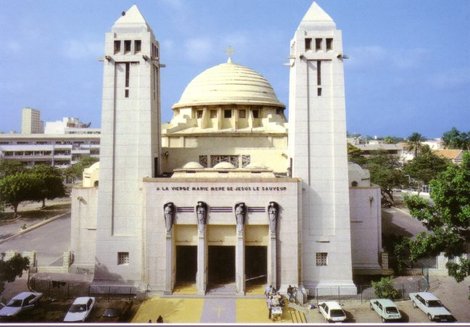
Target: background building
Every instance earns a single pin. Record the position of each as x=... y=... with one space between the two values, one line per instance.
x=31 y=121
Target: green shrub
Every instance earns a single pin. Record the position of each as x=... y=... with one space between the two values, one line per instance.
x=384 y=289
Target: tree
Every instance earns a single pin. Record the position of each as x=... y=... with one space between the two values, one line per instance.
x=17 y=188
x=11 y=269
x=454 y=139
x=50 y=183
x=76 y=171
x=10 y=167
x=413 y=143
x=426 y=166
x=385 y=171
x=355 y=155
x=447 y=217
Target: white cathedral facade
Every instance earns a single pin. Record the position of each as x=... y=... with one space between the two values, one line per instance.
x=228 y=192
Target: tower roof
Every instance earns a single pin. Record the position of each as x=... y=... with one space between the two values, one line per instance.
x=316 y=15
x=132 y=20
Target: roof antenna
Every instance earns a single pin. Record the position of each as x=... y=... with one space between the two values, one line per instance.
x=123 y=13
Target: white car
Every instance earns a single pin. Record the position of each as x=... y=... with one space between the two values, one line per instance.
x=431 y=306
x=19 y=303
x=80 y=309
x=332 y=311
x=386 y=309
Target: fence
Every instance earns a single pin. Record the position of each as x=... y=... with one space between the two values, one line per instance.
x=71 y=289
x=366 y=292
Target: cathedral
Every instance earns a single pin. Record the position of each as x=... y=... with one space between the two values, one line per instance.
x=230 y=192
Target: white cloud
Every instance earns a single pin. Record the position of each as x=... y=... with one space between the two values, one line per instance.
x=451 y=79
x=199 y=50
x=13 y=47
x=174 y=4
x=81 y=49
x=366 y=56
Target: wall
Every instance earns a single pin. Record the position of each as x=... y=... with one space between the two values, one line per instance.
x=83 y=227
x=366 y=227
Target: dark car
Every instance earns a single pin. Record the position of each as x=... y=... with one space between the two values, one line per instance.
x=116 y=311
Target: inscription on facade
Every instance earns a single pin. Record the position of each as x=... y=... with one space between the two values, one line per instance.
x=221 y=188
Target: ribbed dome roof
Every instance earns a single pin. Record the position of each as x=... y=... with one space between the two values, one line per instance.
x=228 y=83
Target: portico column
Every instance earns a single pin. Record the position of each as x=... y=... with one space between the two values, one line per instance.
x=273 y=212
x=240 y=217
x=169 y=264
x=240 y=260
x=272 y=262
x=201 y=276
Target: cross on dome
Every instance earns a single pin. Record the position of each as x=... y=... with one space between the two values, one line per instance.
x=229 y=51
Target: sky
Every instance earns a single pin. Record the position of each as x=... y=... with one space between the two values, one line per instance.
x=408 y=68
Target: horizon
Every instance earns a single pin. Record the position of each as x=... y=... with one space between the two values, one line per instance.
x=399 y=78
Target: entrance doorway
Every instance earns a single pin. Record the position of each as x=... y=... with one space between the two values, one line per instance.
x=186 y=264
x=221 y=262
x=256 y=265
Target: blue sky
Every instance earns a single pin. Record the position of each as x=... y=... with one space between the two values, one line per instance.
x=408 y=68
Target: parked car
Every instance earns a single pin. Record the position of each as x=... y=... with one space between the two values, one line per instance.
x=332 y=311
x=20 y=303
x=116 y=311
x=386 y=309
x=80 y=309
x=431 y=306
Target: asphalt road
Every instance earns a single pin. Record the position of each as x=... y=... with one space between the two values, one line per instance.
x=49 y=241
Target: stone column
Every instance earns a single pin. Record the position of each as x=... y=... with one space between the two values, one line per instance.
x=273 y=215
x=240 y=260
x=201 y=276
x=272 y=261
x=169 y=266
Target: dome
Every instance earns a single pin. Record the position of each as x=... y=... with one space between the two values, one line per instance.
x=193 y=165
x=228 y=83
x=224 y=165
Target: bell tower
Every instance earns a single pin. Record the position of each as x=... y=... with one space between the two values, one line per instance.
x=130 y=145
x=317 y=149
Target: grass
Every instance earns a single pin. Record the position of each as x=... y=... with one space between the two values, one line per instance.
x=32 y=210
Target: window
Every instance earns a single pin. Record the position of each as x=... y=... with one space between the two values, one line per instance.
x=322 y=259
x=319 y=91
x=215 y=159
x=199 y=114
x=329 y=44
x=137 y=46
x=117 y=46
x=123 y=258
x=279 y=111
x=246 y=160
x=213 y=113
x=126 y=91
x=127 y=46
x=255 y=113
x=318 y=72
x=308 y=44
x=127 y=73
x=318 y=43
x=242 y=113
x=203 y=160
x=227 y=113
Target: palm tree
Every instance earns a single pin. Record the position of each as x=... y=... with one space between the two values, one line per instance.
x=413 y=143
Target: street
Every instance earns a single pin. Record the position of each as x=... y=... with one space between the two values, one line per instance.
x=49 y=241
